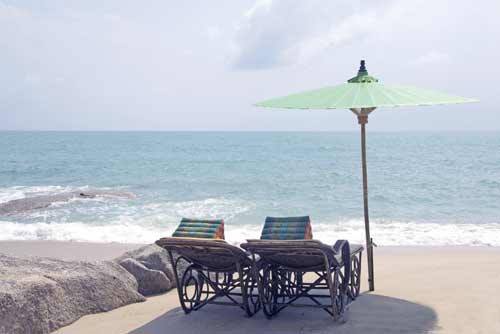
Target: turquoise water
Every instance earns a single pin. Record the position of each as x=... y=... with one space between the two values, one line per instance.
x=425 y=188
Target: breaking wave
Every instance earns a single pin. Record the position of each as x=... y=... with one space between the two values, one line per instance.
x=106 y=218
x=151 y=228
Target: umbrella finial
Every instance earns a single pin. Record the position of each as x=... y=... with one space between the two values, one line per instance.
x=362 y=67
x=362 y=76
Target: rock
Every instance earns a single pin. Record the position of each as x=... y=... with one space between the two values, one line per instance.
x=152 y=257
x=150 y=281
x=155 y=258
x=43 y=201
x=39 y=295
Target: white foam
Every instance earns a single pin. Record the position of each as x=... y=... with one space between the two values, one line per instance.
x=150 y=228
x=393 y=233
x=124 y=233
x=207 y=208
x=118 y=221
x=390 y=233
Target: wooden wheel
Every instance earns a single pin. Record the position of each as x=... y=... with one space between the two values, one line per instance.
x=268 y=291
x=252 y=294
x=340 y=289
x=291 y=283
x=191 y=287
x=355 y=283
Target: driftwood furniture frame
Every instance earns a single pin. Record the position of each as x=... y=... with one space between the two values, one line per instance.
x=217 y=273
x=283 y=265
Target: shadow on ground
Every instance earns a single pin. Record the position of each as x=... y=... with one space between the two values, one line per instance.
x=369 y=314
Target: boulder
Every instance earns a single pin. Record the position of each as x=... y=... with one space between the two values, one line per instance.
x=43 y=201
x=150 y=281
x=39 y=295
x=152 y=257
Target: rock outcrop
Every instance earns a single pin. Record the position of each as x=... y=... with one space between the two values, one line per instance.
x=39 y=295
x=44 y=201
x=150 y=281
x=152 y=258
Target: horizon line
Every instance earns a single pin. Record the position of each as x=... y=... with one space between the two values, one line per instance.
x=250 y=131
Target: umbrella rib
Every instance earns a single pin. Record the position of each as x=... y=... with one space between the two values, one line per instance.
x=343 y=95
x=443 y=98
x=429 y=101
x=404 y=94
x=412 y=95
x=373 y=104
x=356 y=95
x=387 y=95
x=363 y=95
x=334 y=95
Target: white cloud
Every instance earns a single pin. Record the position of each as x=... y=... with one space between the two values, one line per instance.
x=348 y=29
x=275 y=33
x=431 y=57
x=259 y=5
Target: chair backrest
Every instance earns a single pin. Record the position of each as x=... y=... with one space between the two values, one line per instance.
x=287 y=228
x=213 y=254
x=200 y=228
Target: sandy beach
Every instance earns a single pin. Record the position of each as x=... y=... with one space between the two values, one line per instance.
x=65 y=250
x=142 y=143
x=418 y=290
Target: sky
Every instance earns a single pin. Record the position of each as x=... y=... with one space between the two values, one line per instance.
x=201 y=65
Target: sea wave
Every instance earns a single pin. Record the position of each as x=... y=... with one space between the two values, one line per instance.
x=103 y=219
x=124 y=233
x=114 y=221
x=149 y=229
x=207 y=208
x=396 y=233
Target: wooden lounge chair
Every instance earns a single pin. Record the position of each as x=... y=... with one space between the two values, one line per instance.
x=216 y=272
x=287 y=253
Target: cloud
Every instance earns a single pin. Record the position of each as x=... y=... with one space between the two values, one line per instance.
x=89 y=65
x=259 y=5
x=278 y=33
x=431 y=57
x=260 y=39
x=350 y=28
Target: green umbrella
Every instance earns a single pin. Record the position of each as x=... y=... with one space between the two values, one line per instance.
x=362 y=94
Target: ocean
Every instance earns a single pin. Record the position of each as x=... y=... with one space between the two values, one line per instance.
x=425 y=188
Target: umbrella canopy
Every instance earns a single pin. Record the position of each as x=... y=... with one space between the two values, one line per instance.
x=362 y=94
x=362 y=91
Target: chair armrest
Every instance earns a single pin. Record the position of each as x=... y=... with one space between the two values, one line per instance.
x=339 y=245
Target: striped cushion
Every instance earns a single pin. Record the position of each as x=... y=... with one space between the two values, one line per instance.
x=198 y=228
x=287 y=228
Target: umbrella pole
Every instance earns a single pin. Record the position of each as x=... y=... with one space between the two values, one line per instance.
x=362 y=120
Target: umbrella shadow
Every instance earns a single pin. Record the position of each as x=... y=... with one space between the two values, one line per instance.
x=370 y=313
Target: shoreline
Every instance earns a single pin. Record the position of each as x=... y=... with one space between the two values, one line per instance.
x=66 y=250
x=95 y=251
